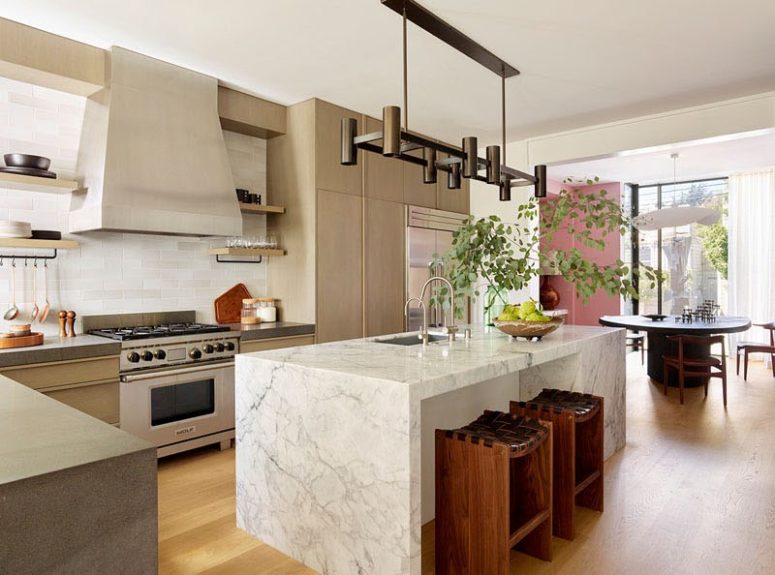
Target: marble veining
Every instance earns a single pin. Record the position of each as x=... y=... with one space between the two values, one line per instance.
x=329 y=436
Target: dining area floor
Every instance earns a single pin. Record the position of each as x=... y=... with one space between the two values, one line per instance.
x=693 y=492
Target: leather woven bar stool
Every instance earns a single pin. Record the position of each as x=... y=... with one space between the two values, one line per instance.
x=493 y=492
x=577 y=420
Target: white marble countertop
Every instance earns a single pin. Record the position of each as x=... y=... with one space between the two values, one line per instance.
x=440 y=366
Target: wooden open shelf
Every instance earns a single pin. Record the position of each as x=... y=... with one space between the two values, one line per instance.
x=41 y=244
x=37 y=184
x=260 y=209
x=246 y=252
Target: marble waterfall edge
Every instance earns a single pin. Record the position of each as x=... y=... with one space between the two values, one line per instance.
x=330 y=450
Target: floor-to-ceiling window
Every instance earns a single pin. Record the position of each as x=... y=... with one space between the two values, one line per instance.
x=692 y=258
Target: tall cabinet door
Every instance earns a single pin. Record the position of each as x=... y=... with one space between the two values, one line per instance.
x=384 y=267
x=339 y=266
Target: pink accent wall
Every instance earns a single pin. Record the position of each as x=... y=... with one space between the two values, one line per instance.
x=600 y=303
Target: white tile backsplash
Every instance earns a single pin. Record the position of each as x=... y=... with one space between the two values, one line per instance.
x=112 y=272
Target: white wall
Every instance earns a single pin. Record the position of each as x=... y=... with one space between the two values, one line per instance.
x=113 y=272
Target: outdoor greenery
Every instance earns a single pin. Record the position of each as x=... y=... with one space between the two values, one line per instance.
x=507 y=257
x=715 y=246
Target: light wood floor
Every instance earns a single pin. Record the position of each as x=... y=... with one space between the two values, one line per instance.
x=692 y=493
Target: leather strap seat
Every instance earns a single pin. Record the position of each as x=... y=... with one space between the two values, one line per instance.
x=519 y=434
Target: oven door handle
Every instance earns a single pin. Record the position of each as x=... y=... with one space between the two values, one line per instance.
x=128 y=378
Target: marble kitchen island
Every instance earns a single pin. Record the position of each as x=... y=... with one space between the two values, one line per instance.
x=335 y=463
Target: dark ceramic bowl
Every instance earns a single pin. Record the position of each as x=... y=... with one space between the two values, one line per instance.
x=27 y=161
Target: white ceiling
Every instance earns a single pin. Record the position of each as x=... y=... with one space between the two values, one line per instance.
x=697 y=160
x=581 y=62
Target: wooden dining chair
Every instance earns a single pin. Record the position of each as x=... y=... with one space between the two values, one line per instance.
x=705 y=367
x=637 y=341
x=747 y=347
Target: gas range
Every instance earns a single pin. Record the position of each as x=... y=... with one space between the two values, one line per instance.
x=176 y=386
x=171 y=345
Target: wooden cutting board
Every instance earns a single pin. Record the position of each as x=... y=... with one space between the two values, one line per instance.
x=228 y=305
x=21 y=341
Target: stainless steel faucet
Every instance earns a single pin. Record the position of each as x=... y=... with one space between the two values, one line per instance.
x=451 y=328
x=424 y=333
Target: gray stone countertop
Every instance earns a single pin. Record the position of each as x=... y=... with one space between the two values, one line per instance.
x=39 y=435
x=272 y=329
x=60 y=349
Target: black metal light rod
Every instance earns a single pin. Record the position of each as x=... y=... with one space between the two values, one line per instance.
x=372 y=137
x=514 y=173
x=451 y=36
x=426 y=143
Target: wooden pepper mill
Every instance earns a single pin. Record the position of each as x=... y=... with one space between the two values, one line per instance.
x=62 y=318
x=70 y=324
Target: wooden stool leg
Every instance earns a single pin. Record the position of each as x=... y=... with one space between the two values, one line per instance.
x=681 y=383
x=737 y=371
x=531 y=494
x=472 y=507
x=745 y=365
x=589 y=455
x=564 y=492
x=642 y=352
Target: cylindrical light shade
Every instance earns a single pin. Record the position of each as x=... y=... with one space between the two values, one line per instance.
x=453 y=176
x=349 y=151
x=540 y=187
x=429 y=170
x=391 y=131
x=505 y=189
x=494 y=165
x=471 y=159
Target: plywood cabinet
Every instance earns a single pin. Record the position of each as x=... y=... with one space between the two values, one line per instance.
x=329 y=173
x=339 y=266
x=345 y=226
x=383 y=178
x=384 y=265
x=275 y=343
x=89 y=385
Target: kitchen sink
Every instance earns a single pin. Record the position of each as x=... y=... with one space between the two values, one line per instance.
x=411 y=339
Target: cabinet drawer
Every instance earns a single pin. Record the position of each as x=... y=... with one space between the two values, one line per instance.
x=99 y=400
x=275 y=343
x=43 y=375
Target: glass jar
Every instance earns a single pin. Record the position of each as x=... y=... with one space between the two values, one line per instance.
x=266 y=309
x=250 y=314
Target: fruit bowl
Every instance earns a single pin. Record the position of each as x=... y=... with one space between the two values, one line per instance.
x=529 y=329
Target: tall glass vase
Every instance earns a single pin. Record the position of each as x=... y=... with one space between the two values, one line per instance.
x=494 y=301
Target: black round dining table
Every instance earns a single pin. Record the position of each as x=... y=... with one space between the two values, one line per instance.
x=658 y=344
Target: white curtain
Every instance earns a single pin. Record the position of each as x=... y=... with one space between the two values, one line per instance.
x=752 y=250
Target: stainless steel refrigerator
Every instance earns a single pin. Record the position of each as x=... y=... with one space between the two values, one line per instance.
x=429 y=237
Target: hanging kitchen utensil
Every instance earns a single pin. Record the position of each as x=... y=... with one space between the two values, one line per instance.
x=13 y=311
x=46 y=306
x=35 y=308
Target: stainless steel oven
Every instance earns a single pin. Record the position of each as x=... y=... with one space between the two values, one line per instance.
x=180 y=408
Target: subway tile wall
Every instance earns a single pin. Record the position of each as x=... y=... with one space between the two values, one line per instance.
x=112 y=272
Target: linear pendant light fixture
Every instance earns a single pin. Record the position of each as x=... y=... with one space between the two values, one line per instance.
x=464 y=161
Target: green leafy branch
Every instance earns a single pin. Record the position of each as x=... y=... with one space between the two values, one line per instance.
x=506 y=257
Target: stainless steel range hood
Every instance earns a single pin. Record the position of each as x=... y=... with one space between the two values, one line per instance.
x=152 y=154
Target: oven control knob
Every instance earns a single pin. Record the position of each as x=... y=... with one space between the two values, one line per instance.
x=195 y=353
x=230 y=345
x=209 y=348
x=133 y=356
x=160 y=354
x=147 y=356
x=219 y=347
